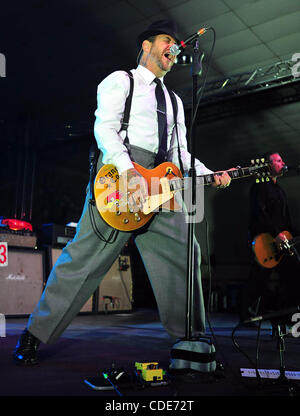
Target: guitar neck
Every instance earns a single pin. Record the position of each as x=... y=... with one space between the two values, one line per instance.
x=179 y=184
x=234 y=174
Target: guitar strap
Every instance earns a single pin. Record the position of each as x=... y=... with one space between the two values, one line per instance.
x=125 y=121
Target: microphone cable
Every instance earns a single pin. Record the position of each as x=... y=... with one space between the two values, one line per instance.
x=252 y=363
x=93 y=159
x=113 y=234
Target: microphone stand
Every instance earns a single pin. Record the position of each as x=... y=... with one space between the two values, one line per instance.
x=196 y=70
x=187 y=353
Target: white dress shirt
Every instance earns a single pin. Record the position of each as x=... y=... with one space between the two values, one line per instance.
x=143 y=126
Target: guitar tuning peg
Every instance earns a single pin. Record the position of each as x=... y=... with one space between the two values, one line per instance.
x=252 y=161
x=262 y=160
x=267 y=179
x=262 y=179
x=257 y=160
x=257 y=180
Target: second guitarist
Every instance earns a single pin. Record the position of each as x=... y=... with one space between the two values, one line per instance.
x=269 y=213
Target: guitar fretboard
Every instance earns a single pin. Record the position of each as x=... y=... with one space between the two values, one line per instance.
x=178 y=184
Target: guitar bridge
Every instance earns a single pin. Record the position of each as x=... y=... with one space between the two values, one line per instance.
x=155 y=201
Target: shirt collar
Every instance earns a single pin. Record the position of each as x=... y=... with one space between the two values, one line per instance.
x=147 y=75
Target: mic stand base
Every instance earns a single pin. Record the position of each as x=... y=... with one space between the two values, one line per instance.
x=293 y=389
x=193 y=354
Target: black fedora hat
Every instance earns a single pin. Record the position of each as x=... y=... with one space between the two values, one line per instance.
x=160 y=27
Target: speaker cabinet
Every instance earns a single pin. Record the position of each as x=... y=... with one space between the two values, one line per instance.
x=115 y=290
x=21 y=281
x=52 y=255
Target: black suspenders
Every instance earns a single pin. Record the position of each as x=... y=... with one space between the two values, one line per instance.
x=125 y=121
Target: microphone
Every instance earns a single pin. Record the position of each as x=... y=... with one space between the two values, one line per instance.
x=177 y=49
x=286 y=168
x=273 y=315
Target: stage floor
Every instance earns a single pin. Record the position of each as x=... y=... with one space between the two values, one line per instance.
x=93 y=343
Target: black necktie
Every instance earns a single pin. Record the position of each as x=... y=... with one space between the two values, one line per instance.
x=162 y=123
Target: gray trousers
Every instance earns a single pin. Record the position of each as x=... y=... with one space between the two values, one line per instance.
x=86 y=259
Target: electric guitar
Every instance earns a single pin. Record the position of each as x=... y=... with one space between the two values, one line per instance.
x=266 y=251
x=163 y=182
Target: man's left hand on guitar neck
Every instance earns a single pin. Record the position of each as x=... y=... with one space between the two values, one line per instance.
x=222 y=179
x=280 y=240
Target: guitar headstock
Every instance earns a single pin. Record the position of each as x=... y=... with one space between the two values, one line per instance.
x=261 y=169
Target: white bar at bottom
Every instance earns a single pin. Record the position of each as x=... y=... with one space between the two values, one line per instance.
x=250 y=372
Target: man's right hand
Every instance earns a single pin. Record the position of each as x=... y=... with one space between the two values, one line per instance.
x=136 y=188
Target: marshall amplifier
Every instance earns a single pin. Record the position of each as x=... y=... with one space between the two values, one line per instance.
x=17 y=233
x=56 y=235
x=18 y=238
x=22 y=279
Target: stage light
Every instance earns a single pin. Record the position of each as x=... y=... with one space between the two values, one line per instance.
x=225 y=83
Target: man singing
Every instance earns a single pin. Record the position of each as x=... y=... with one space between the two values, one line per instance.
x=163 y=242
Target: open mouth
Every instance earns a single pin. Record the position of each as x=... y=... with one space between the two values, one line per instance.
x=168 y=56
